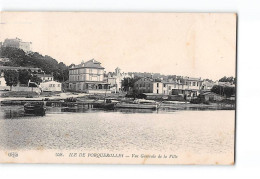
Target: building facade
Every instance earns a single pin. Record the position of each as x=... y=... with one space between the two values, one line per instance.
x=51 y=86
x=45 y=77
x=207 y=85
x=187 y=86
x=18 y=43
x=144 y=85
x=3 y=85
x=88 y=77
x=115 y=79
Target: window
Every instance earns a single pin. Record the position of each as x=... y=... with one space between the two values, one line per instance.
x=53 y=85
x=157 y=85
x=164 y=85
x=50 y=85
x=169 y=87
x=194 y=83
x=157 y=90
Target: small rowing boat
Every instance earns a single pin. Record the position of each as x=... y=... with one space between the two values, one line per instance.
x=36 y=108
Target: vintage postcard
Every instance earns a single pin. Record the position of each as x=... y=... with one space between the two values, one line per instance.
x=117 y=88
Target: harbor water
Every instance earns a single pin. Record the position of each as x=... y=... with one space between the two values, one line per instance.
x=67 y=129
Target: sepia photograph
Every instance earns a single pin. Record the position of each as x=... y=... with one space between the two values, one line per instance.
x=118 y=88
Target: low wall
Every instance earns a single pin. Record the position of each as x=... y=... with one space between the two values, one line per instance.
x=21 y=88
x=98 y=91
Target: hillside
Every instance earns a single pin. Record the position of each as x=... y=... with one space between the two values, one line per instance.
x=48 y=64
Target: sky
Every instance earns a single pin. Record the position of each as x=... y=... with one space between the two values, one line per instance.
x=186 y=44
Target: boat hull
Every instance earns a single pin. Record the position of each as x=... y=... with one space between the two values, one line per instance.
x=35 y=109
x=104 y=105
x=136 y=106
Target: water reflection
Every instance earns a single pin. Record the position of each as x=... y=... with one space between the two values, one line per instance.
x=94 y=129
x=11 y=112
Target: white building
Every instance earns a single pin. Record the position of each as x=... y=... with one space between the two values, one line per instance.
x=52 y=86
x=115 y=79
x=18 y=43
x=3 y=85
x=45 y=77
x=187 y=86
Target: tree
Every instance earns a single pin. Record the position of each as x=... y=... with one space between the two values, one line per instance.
x=11 y=78
x=224 y=90
x=36 y=79
x=24 y=76
x=18 y=57
x=128 y=83
x=230 y=79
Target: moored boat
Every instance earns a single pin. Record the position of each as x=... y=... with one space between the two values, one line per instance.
x=36 y=108
x=108 y=103
x=139 y=104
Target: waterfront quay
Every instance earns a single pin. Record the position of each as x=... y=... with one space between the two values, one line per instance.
x=90 y=101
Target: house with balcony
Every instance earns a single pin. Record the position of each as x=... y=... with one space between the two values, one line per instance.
x=88 y=77
x=188 y=86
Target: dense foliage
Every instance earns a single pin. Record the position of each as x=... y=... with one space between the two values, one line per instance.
x=11 y=77
x=49 y=65
x=24 y=76
x=224 y=90
x=128 y=83
x=35 y=79
x=228 y=79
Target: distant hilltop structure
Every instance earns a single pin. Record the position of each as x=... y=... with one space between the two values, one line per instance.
x=17 y=43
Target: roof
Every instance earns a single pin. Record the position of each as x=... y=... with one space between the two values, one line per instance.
x=210 y=84
x=44 y=75
x=169 y=82
x=148 y=78
x=89 y=64
x=192 y=79
x=52 y=82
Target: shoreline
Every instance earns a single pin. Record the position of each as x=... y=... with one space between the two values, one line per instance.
x=83 y=99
